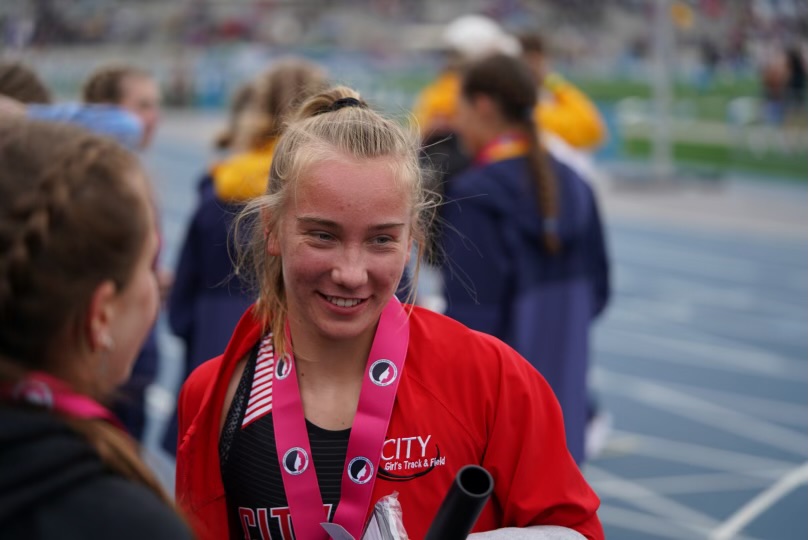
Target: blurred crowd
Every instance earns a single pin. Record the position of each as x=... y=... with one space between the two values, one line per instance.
x=517 y=250
x=204 y=304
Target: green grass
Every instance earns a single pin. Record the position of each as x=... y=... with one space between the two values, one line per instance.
x=791 y=166
x=617 y=89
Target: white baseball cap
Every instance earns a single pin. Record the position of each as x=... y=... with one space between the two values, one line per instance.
x=474 y=36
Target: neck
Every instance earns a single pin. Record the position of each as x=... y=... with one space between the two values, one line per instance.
x=330 y=375
x=327 y=362
x=76 y=369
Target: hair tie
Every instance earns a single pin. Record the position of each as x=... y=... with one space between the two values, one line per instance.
x=344 y=102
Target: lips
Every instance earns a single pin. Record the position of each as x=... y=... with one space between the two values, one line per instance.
x=344 y=302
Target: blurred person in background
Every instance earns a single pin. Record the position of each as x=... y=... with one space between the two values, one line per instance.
x=77 y=298
x=21 y=83
x=562 y=110
x=332 y=394
x=774 y=74
x=796 y=83
x=570 y=128
x=23 y=93
x=129 y=87
x=526 y=257
x=208 y=297
x=465 y=38
x=135 y=90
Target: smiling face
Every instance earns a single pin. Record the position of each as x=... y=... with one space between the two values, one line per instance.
x=344 y=240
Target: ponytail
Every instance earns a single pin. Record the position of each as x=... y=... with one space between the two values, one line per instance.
x=507 y=81
x=119 y=452
x=546 y=186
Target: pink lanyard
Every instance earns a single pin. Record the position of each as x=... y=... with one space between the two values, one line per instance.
x=382 y=374
x=46 y=391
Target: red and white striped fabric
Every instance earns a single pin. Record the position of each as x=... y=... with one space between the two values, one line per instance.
x=260 y=402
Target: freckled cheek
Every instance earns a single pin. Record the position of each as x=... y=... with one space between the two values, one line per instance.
x=306 y=269
x=390 y=271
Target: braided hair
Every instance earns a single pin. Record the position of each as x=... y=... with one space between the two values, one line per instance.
x=71 y=217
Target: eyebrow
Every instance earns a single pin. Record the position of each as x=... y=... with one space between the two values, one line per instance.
x=308 y=220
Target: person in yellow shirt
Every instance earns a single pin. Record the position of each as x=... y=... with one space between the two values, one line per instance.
x=563 y=110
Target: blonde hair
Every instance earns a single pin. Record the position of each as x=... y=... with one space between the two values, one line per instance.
x=334 y=123
x=275 y=95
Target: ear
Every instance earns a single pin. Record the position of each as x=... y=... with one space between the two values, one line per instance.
x=100 y=313
x=273 y=246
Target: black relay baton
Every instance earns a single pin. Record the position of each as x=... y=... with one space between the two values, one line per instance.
x=462 y=505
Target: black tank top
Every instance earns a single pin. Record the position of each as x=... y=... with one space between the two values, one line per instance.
x=256 y=501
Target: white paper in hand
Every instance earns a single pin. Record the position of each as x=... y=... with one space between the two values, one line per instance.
x=384 y=523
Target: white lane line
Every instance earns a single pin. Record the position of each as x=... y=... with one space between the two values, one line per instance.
x=701 y=411
x=686 y=484
x=645 y=322
x=770 y=409
x=742 y=329
x=760 y=503
x=644 y=523
x=730 y=297
x=656 y=249
x=701 y=355
x=650 y=501
x=697 y=454
x=669 y=258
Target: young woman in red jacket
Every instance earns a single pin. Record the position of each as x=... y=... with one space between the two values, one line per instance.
x=332 y=394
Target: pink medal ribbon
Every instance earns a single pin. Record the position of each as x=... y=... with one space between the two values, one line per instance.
x=382 y=374
x=48 y=392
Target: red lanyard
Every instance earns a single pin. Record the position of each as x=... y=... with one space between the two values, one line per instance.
x=382 y=375
x=46 y=391
x=504 y=147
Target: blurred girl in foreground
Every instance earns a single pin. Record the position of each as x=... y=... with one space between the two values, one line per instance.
x=77 y=297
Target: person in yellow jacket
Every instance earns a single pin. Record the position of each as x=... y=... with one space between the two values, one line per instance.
x=208 y=298
x=465 y=39
x=563 y=110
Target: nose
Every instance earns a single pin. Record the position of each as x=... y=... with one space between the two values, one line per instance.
x=350 y=269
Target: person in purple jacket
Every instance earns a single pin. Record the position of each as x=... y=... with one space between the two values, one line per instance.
x=526 y=256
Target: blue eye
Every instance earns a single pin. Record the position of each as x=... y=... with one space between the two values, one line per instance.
x=321 y=236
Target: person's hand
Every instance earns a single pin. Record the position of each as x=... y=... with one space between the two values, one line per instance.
x=11 y=108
